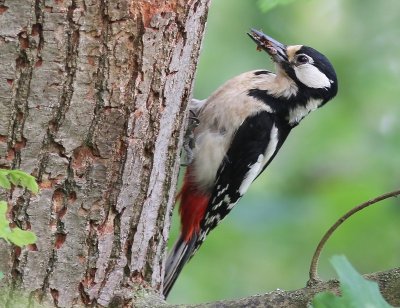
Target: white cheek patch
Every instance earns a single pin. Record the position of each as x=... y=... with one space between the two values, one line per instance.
x=311 y=76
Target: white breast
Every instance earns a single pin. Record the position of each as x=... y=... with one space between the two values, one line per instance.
x=209 y=151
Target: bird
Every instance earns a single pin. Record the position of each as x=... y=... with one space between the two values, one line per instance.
x=239 y=130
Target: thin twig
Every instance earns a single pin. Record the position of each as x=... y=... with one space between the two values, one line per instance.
x=314 y=262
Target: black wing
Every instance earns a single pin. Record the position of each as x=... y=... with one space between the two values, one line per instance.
x=254 y=145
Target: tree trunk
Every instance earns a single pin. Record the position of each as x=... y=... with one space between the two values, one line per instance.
x=92 y=102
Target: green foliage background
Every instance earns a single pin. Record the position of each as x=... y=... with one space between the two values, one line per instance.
x=15 y=235
x=343 y=154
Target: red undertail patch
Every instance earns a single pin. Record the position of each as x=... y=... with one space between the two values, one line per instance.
x=193 y=205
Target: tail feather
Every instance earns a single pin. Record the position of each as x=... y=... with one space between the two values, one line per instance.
x=177 y=258
x=193 y=205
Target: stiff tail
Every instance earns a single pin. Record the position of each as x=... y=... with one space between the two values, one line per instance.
x=177 y=258
x=193 y=204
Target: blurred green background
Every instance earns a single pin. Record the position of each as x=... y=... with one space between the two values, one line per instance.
x=339 y=156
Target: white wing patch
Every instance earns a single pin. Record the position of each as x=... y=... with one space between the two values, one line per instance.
x=251 y=175
x=311 y=76
x=257 y=167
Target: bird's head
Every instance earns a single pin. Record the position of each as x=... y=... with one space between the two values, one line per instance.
x=308 y=68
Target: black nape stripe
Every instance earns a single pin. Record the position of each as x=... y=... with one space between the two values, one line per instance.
x=262 y=73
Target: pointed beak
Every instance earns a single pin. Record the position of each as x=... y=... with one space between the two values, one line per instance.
x=275 y=49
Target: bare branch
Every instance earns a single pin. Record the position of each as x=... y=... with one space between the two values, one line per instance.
x=388 y=281
x=314 y=262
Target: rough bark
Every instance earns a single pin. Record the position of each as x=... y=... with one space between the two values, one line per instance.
x=92 y=101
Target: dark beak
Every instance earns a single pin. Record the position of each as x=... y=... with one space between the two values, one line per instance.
x=276 y=50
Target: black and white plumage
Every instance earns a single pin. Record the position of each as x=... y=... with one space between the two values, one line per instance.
x=241 y=128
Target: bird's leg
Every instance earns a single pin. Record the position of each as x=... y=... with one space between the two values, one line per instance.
x=189 y=140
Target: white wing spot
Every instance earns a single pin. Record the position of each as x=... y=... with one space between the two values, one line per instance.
x=216 y=218
x=227 y=199
x=220 y=192
x=203 y=235
x=230 y=206
x=216 y=206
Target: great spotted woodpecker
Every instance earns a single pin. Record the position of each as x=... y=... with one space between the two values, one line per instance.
x=241 y=128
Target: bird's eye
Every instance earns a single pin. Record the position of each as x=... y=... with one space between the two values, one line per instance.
x=302 y=59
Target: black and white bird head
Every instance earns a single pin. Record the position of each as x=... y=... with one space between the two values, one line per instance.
x=308 y=68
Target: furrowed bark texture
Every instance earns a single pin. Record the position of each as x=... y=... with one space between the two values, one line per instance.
x=92 y=101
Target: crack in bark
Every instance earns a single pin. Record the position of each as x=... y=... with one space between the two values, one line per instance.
x=49 y=143
x=16 y=141
x=92 y=243
x=16 y=274
x=49 y=270
x=70 y=69
x=38 y=26
x=20 y=103
x=67 y=91
x=100 y=87
x=102 y=72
